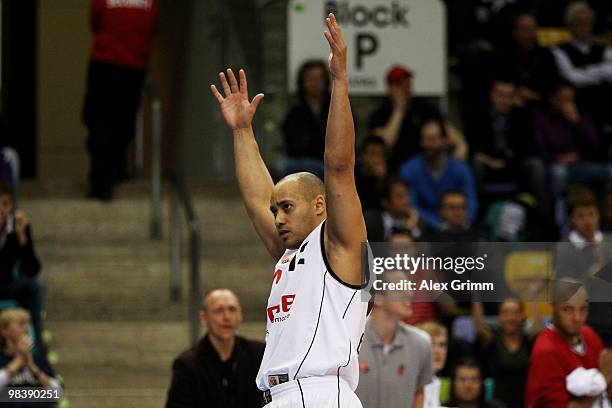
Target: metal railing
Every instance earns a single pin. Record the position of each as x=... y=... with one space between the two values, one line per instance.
x=180 y=194
x=156 y=128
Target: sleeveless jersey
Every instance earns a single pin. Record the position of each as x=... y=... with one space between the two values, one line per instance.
x=315 y=323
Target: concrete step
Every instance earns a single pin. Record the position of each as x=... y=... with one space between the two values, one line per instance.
x=122 y=364
x=98 y=260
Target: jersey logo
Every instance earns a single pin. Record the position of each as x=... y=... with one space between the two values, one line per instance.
x=277 y=275
x=284 y=307
x=300 y=261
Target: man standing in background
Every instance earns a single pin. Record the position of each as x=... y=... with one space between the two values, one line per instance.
x=123 y=31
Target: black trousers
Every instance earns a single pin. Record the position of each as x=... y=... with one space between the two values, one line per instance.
x=109 y=112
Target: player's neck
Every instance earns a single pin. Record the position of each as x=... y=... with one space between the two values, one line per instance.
x=384 y=327
x=223 y=347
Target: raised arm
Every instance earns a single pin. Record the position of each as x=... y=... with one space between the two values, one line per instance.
x=345 y=227
x=254 y=180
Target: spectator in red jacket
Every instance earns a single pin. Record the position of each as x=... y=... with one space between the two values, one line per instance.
x=568 y=367
x=123 y=31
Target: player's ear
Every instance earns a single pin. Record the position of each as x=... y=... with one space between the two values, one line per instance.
x=203 y=319
x=319 y=203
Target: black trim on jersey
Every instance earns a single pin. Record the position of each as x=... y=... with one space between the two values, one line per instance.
x=349 y=303
x=329 y=269
x=301 y=393
x=316 y=328
x=338 y=375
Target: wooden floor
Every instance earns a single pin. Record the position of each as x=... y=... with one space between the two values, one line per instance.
x=115 y=330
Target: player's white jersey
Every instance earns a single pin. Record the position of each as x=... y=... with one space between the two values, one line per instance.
x=314 y=322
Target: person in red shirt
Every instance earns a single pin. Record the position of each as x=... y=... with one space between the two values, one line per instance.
x=569 y=366
x=123 y=32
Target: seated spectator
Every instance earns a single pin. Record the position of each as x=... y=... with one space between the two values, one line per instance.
x=454 y=225
x=304 y=125
x=505 y=349
x=397 y=214
x=20 y=364
x=530 y=66
x=503 y=144
x=370 y=171
x=398 y=118
x=220 y=370
x=432 y=172
x=395 y=360
x=19 y=265
x=467 y=386
x=439 y=349
x=582 y=255
x=576 y=255
x=568 y=367
x=569 y=144
x=587 y=65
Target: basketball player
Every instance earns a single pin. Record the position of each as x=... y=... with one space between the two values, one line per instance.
x=315 y=316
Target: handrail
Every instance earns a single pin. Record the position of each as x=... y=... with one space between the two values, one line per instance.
x=156 y=118
x=180 y=193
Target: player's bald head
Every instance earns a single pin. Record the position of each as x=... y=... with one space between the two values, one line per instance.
x=217 y=295
x=306 y=184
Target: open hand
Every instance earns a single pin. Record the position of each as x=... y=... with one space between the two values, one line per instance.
x=236 y=109
x=337 y=55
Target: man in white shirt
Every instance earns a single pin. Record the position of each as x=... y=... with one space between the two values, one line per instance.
x=586 y=65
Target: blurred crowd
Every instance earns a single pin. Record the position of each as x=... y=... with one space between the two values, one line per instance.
x=529 y=162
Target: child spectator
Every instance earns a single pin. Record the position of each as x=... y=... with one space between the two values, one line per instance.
x=439 y=350
x=20 y=364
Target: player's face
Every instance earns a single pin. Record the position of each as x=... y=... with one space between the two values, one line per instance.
x=222 y=315
x=294 y=216
x=467 y=384
x=439 y=349
x=510 y=317
x=569 y=317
